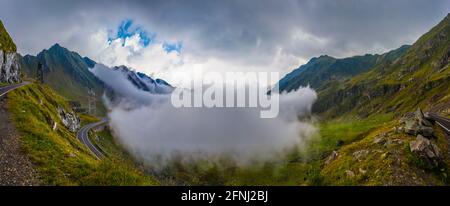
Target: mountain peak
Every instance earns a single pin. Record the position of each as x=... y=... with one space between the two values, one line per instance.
x=57 y=47
x=91 y=63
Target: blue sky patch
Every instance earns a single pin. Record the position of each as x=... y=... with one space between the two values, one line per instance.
x=126 y=29
x=170 y=47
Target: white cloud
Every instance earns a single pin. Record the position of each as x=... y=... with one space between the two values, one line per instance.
x=154 y=130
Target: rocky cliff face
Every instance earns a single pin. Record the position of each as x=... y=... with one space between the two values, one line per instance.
x=9 y=67
x=70 y=120
x=9 y=59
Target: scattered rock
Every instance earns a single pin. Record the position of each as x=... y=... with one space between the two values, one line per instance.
x=379 y=140
x=350 y=173
x=362 y=171
x=393 y=142
x=332 y=157
x=360 y=155
x=426 y=150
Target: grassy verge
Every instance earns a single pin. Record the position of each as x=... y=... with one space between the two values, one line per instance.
x=87 y=119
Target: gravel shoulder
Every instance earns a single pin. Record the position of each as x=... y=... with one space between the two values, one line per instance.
x=15 y=167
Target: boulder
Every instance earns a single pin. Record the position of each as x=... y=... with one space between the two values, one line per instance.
x=393 y=142
x=411 y=126
x=332 y=157
x=379 y=140
x=426 y=150
x=425 y=131
x=416 y=123
x=69 y=119
x=360 y=155
x=421 y=118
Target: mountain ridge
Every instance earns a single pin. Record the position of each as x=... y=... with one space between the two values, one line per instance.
x=318 y=71
x=418 y=78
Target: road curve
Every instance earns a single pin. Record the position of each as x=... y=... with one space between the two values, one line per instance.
x=443 y=122
x=6 y=89
x=83 y=136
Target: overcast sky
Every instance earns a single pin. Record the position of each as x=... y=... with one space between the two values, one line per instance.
x=248 y=35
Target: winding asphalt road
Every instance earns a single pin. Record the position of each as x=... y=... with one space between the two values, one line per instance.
x=443 y=122
x=6 y=89
x=83 y=136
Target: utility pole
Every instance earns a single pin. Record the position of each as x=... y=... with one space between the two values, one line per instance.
x=91 y=102
x=40 y=73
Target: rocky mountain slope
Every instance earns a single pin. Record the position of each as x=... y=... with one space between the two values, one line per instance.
x=144 y=82
x=9 y=60
x=66 y=72
x=397 y=81
x=418 y=78
x=321 y=72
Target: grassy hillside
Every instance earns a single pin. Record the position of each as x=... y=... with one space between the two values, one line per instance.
x=371 y=103
x=6 y=43
x=381 y=156
x=321 y=71
x=67 y=73
x=419 y=78
x=59 y=157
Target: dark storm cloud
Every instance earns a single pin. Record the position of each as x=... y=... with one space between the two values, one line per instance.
x=247 y=31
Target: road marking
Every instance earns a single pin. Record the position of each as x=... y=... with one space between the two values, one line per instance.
x=83 y=136
x=448 y=130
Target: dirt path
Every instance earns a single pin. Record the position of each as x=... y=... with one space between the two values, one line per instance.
x=15 y=166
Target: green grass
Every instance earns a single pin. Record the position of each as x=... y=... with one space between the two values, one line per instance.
x=391 y=164
x=418 y=78
x=338 y=132
x=6 y=43
x=87 y=119
x=58 y=156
